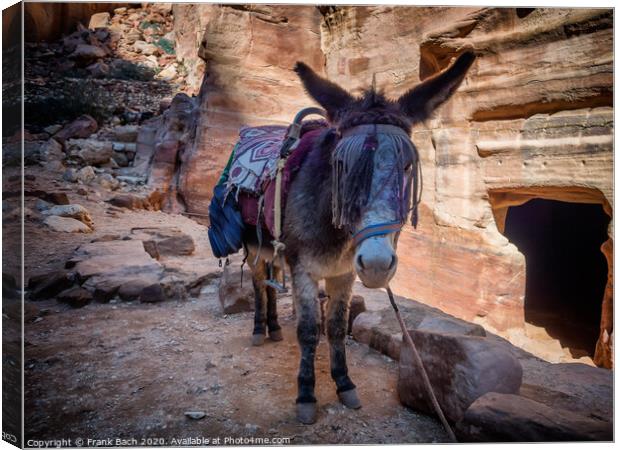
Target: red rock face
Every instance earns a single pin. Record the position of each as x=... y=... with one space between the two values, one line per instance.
x=250 y=52
x=532 y=119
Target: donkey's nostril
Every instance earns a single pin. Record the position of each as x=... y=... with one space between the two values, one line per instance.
x=392 y=263
x=360 y=262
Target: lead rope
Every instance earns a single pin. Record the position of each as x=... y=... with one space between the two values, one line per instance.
x=418 y=361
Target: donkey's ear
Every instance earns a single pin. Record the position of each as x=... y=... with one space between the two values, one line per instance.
x=327 y=94
x=420 y=102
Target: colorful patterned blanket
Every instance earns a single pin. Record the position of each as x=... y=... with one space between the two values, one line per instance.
x=256 y=157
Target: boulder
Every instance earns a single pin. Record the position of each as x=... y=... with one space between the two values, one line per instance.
x=75 y=211
x=90 y=151
x=99 y=20
x=49 y=284
x=66 y=225
x=152 y=294
x=580 y=388
x=82 y=127
x=132 y=289
x=234 y=296
x=76 y=297
x=460 y=368
x=380 y=330
x=160 y=242
x=496 y=417
x=355 y=309
x=106 y=266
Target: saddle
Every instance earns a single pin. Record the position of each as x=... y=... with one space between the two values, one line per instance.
x=253 y=187
x=257 y=204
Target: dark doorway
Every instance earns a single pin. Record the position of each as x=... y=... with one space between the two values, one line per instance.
x=566 y=271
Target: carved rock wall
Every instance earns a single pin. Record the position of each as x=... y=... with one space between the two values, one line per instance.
x=533 y=119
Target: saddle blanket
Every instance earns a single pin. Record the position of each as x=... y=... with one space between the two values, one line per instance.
x=256 y=157
x=249 y=199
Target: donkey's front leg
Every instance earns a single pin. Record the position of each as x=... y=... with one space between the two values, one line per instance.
x=305 y=292
x=339 y=291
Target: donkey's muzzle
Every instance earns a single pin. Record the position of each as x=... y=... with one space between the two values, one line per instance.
x=376 y=261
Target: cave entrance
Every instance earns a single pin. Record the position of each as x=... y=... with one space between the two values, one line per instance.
x=566 y=272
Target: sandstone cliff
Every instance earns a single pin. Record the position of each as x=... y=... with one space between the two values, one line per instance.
x=533 y=119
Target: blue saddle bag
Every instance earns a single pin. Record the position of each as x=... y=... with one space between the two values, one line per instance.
x=226 y=224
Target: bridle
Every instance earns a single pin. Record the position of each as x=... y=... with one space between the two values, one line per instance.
x=412 y=182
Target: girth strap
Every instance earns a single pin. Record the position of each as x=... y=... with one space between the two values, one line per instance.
x=379 y=229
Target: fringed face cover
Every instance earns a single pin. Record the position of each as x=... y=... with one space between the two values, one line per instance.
x=375 y=177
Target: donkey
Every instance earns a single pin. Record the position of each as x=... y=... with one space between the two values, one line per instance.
x=344 y=212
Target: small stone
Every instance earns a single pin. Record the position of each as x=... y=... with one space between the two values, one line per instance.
x=66 y=225
x=99 y=70
x=52 y=129
x=42 y=205
x=120 y=11
x=76 y=297
x=90 y=151
x=145 y=48
x=86 y=174
x=121 y=159
x=107 y=181
x=168 y=74
x=70 y=175
x=86 y=53
x=99 y=20
x=126 y=133
x=195 y=415
x=74 y=211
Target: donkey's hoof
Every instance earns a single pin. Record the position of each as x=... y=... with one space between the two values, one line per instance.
x=350 y=399
x=306 y=413
x=276 y=335
x=258 y=340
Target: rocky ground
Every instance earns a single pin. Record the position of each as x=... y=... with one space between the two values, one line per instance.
x=132 y=369
x=133 y=332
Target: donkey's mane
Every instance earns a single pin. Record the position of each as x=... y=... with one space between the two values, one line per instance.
x=372 y=107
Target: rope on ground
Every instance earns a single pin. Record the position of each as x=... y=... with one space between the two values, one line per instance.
x=418 y=361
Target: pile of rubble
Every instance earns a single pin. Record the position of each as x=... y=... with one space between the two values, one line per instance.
x=122 y=66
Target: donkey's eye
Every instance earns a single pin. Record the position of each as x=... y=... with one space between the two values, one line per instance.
x=408 y=167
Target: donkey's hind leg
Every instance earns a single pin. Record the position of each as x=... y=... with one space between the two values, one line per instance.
x=339 y=292
x=275 y=331
x=259 y=275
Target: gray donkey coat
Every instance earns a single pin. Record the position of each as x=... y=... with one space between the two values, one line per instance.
x=344 y=211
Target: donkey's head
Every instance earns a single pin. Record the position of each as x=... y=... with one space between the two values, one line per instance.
x=374 y=162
